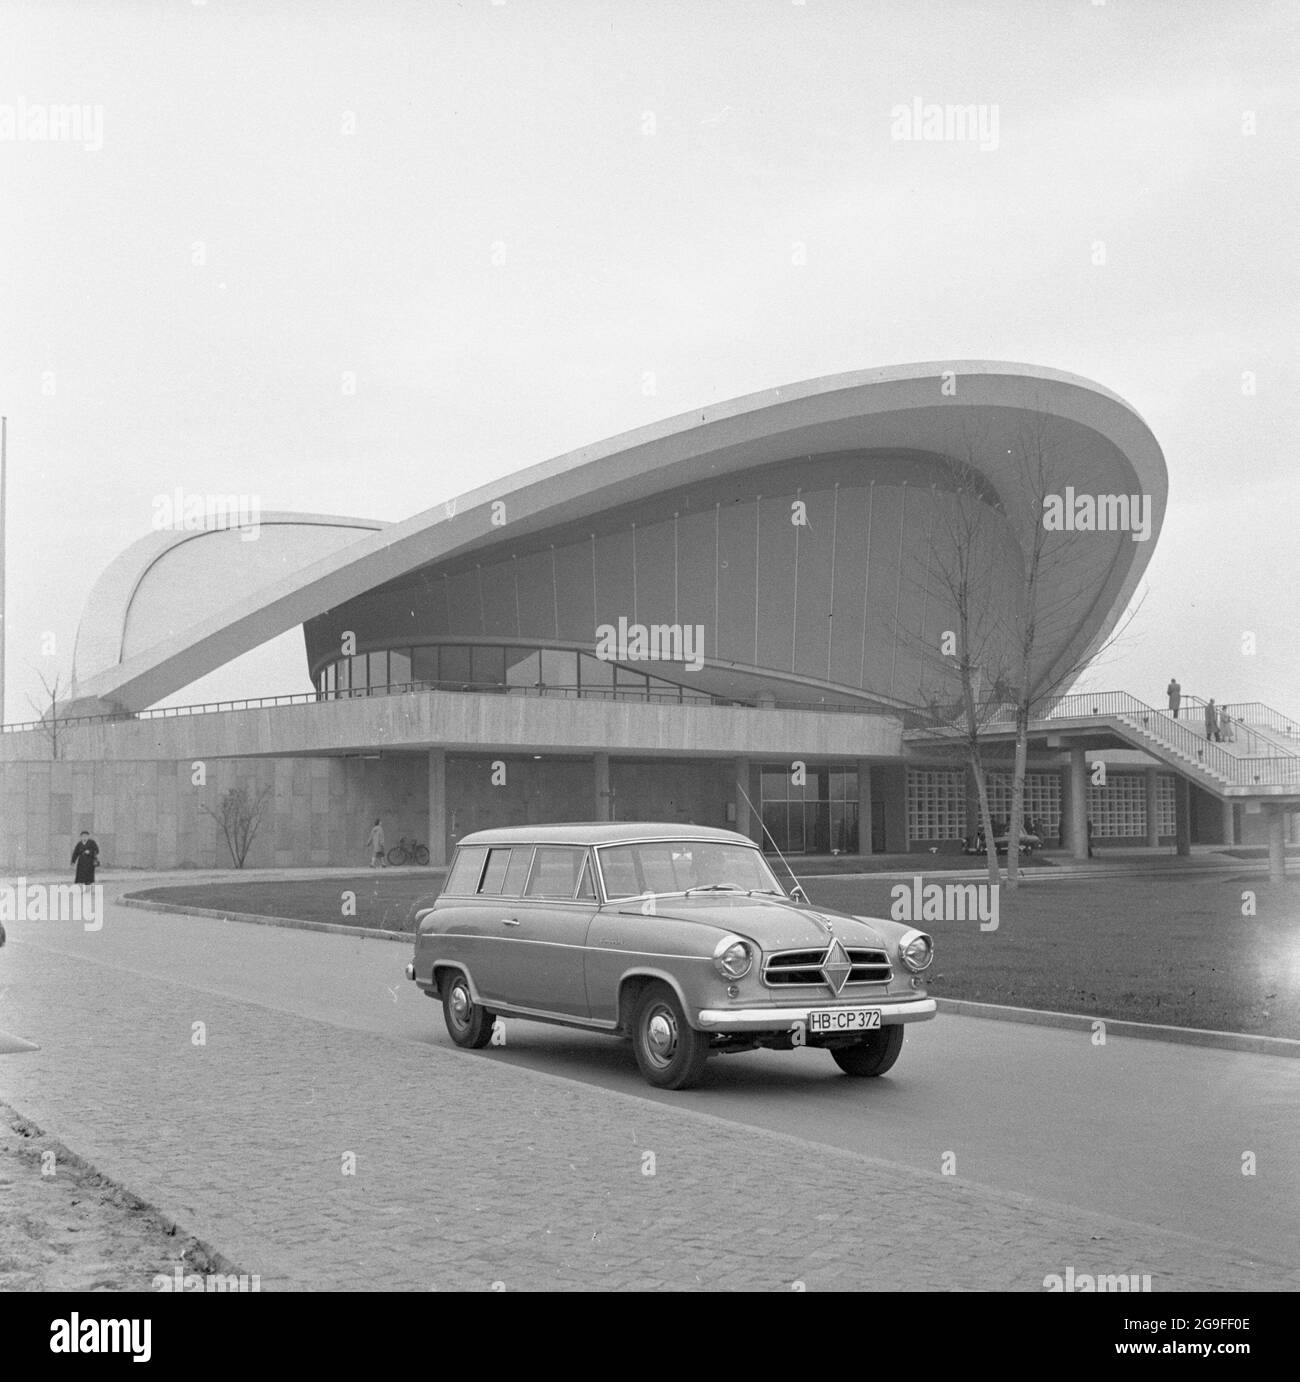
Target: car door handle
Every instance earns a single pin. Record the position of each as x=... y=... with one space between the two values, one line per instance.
x=509 y=921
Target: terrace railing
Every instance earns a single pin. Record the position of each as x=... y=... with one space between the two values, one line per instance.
x=680 y=696
x=1260 y=753
x=1260 y=716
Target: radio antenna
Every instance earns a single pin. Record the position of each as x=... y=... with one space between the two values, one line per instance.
x=763 y=826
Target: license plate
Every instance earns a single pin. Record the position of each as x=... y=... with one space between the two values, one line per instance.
x=823 y=1020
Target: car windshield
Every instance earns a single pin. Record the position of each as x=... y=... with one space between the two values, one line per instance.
x=680 y=866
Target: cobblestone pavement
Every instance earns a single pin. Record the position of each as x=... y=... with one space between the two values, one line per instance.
x=319 y=1156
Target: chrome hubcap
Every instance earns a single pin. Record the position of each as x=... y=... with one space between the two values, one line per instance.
x=661 y=1036
x=459 y=1003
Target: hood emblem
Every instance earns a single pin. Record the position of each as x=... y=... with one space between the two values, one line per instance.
x=819 y=920
x=836 y=967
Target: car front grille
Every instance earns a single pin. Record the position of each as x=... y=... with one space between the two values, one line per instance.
x=787 y=967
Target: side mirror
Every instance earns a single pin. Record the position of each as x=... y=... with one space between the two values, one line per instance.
x=799 y=895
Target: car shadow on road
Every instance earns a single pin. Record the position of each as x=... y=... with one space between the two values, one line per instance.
x=594 y=1059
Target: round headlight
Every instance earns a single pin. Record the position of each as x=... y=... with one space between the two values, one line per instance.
x=732 y=958
x=916 y=950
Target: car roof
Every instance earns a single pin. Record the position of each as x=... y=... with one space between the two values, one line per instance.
x=602 y=833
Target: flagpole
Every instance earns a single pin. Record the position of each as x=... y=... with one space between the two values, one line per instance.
x=4 y=455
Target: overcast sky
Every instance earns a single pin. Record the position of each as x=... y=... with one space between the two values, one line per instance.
x=528 y=226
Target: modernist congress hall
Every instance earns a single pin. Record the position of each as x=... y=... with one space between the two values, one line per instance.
x=491 y=660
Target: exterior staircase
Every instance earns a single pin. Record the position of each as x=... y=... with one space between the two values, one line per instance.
x=1266 y=728
x=1262 y=756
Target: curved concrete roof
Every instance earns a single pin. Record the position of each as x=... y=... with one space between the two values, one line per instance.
x=166 y=581
x=973 y=411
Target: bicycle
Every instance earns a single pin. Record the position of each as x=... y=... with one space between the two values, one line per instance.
x=408 y=851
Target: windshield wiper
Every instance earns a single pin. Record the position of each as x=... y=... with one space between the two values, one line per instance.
x=716 y=888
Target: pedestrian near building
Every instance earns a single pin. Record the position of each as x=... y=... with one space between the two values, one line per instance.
x=1175 y=694
x=1089 y=837
x=375 y=842
x=85 y=855
x=1225 y=727
x=1211 y=721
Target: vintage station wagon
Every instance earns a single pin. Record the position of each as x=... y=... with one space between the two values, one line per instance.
x=678 y=937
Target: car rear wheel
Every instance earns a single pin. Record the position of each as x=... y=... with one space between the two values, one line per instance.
x=468 y=1023
x=670 y=1053
x=874 y=1055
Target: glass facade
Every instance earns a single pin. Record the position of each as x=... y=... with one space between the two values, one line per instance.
x=497 y=668
x=1042 y=800
x=936 y=804
x=812 y=812
x=1118 y=810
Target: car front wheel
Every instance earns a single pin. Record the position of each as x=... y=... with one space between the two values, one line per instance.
x=670 y=1053
x=874 y=1055
x=468 y=1023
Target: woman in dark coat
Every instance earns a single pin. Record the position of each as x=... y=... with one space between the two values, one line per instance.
x=85 y=854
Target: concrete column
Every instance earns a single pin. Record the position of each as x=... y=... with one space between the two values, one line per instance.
x=864 y=806
x=1276 y=818
x=744 y=824
x=437 y=806
x=1229 y=812
x=604 y=800
x=1151 y=776
x=1078 y=815
x=1183 y=814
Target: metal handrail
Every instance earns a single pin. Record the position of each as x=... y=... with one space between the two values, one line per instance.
x=1259 y=715
x=1269 y=772
x=1261 y=742
x=1225 y=762
x=1176 y=735
x=684 y=696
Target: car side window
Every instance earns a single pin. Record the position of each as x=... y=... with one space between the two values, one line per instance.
x=494 y=875
x=663 y=868
x=463 y=879
x=587 y=882
x=521 y=857
x=620 y=871
x=556 y=869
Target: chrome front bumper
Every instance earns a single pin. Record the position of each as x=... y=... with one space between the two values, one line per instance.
x=776 y=1019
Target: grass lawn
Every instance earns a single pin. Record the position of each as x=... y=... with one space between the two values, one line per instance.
x=1173 y=950
x=385 y=899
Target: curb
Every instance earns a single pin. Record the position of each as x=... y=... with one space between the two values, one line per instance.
x=189 y=1243
x=11 y=1045
x=1148 y=1031
x=149 y=904
x=958 y=1007
x=1058 y=873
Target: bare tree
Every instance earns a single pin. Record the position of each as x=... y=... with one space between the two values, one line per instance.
x=240 y=817
x=49 y=720
x=1018 y=611
x=963 y=668
x=1064 y=569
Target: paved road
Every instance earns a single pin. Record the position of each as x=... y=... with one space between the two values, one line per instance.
x=480 y=1167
